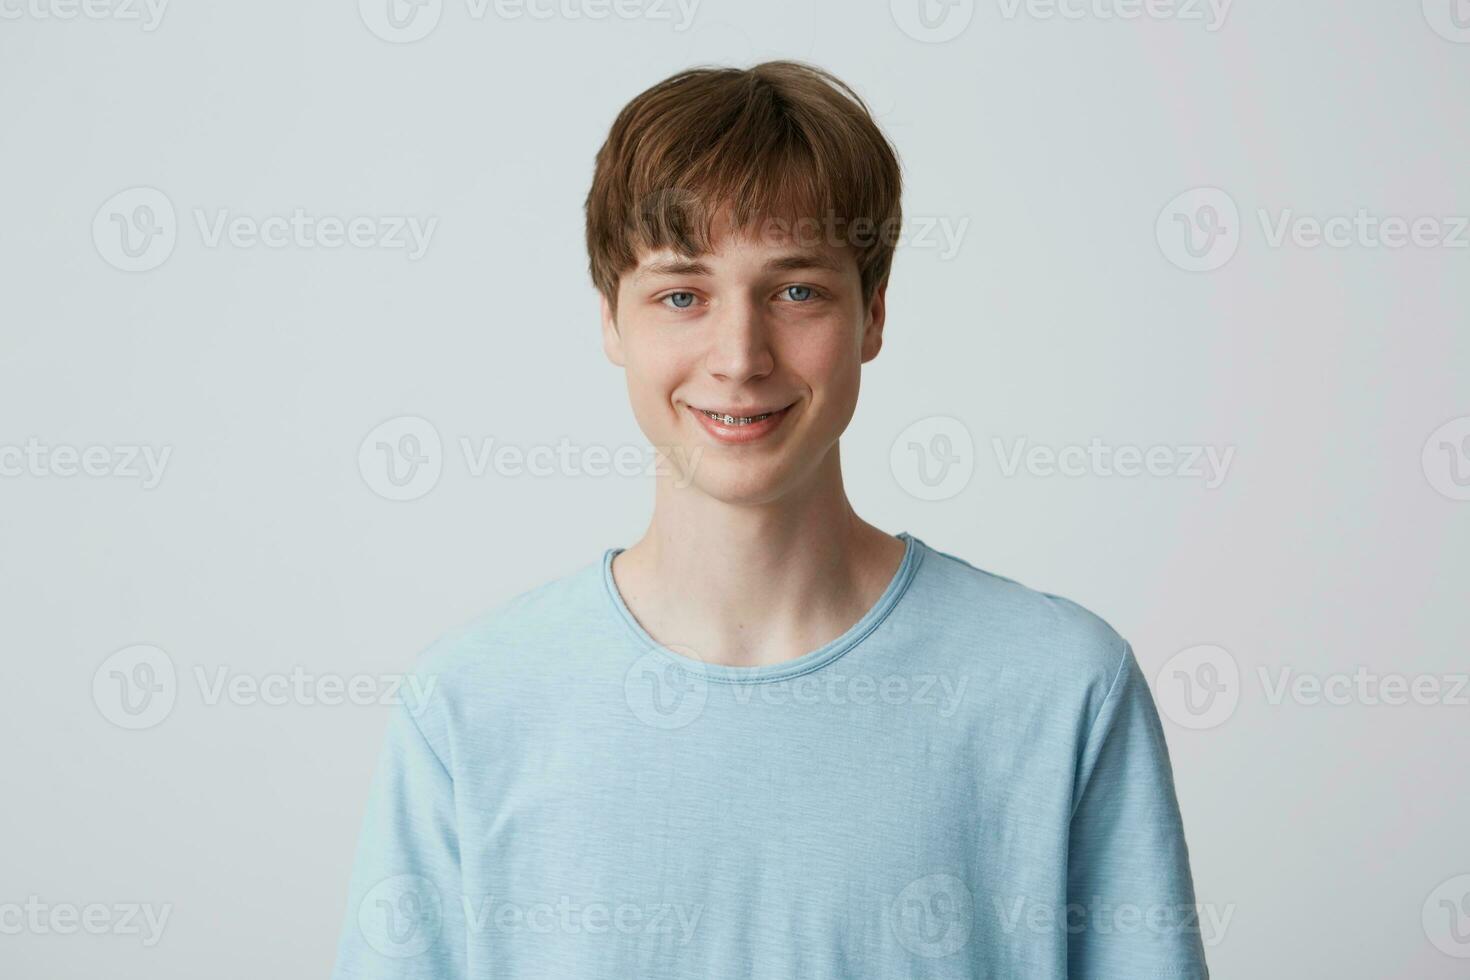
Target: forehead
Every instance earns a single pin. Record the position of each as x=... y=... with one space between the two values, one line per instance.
x=769 y=245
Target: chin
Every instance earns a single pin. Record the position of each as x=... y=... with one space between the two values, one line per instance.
x=736 y=483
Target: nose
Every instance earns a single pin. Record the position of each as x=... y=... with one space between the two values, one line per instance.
x=740 y=346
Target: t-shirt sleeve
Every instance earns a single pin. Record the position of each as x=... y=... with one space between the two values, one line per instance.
x=1131 y=907
x=404 y=918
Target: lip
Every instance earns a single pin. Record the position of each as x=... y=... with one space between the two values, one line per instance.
x=739 y=413
x=741 y=434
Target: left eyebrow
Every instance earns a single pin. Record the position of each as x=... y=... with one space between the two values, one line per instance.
x=803 y=260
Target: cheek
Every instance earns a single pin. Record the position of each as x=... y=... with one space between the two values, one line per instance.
x=828 y=361
x=653 y=374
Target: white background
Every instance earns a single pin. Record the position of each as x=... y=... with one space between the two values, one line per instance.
x=1335 y=544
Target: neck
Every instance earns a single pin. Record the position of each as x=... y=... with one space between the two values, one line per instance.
x=755 y=584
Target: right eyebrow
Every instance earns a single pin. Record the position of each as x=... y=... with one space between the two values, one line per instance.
x=674 y=267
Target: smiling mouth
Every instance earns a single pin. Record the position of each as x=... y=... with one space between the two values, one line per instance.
x=738 y=420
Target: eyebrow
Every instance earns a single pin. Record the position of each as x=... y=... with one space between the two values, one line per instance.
x=783 y=263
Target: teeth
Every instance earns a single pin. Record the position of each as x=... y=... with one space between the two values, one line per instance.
x=736 y=419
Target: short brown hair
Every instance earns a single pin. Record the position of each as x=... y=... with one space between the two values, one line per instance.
x=779 y=140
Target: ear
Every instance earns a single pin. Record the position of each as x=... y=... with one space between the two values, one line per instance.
x=875 y=317
x=612 y=341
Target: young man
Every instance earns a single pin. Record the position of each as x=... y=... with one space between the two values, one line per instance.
x=768 y=740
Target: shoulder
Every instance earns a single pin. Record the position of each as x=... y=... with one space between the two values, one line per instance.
x=511 y=638
x=1031 y=637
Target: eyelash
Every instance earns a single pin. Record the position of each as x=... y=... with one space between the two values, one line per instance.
x=816 y=294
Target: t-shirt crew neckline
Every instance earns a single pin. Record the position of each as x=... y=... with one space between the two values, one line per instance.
x=807 y=662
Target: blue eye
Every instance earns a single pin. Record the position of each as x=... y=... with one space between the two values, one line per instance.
x=805 y=290
x=678 y=305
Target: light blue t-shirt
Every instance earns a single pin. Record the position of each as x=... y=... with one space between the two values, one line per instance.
x=972 y=781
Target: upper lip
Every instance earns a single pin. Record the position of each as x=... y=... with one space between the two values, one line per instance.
x=740 y=413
